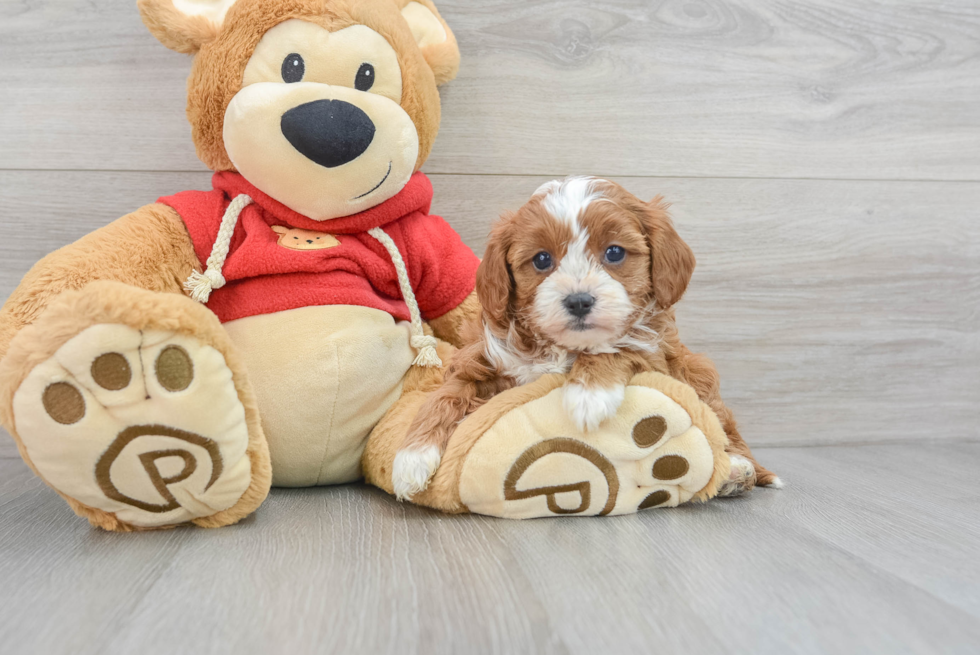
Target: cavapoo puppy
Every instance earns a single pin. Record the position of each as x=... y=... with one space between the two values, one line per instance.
x=579 y=281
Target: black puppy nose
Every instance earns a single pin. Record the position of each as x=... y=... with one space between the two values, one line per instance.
x=579 y=304
x=328 y=132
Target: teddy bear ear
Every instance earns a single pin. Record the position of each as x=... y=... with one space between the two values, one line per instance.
x=184 y=25
x=435 y=39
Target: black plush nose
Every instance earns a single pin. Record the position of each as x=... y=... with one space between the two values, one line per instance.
x=328 y=132
x=579 y=304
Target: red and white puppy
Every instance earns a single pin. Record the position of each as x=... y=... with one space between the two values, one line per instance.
x=579 y=281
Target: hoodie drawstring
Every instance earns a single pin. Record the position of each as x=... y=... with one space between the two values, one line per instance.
x=201 y=285
x=422 y=342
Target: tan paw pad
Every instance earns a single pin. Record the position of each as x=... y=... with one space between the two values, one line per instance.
x=145 y=425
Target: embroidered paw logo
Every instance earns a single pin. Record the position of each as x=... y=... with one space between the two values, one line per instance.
x=296 y=239
x=186 y=448
x=648 y=455
x=551 y=492
x=146 y=425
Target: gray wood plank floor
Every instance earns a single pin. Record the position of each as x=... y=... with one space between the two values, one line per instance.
x=846 y=559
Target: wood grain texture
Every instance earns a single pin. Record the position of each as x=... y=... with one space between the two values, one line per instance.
x=836 y=562
x=836 y=311
x=8 y=449
x=923 y=499
x=817 y=88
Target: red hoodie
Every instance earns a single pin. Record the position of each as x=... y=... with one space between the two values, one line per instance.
x=263 y=277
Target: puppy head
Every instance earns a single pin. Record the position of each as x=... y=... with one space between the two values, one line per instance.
x=581 y=263
x=328 y=106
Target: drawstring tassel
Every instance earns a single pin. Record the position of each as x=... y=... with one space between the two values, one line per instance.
x=426 y=346
x=423 y=343
x=200 y=285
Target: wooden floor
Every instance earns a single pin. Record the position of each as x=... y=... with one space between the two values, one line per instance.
x=823 y=161
x=870 y=549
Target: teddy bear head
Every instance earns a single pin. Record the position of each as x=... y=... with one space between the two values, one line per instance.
x=327 y=106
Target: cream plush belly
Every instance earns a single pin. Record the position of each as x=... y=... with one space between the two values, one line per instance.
x=324 y=377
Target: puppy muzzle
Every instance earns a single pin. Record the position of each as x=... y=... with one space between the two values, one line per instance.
x=579 y=304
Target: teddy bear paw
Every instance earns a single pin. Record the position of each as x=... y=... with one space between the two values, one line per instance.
x=412 y=470
x=533 y=461
x=146 y=425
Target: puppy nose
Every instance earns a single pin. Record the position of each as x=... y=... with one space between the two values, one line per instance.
x=328 y=132
x=579 y=304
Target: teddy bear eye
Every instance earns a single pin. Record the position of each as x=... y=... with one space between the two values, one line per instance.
x=542 y=261
x=293 y=68
x=365 y=77
x=615 y=254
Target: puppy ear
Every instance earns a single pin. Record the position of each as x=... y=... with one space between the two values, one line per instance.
x=435 y=39
x=494 y=283
x=184 y=25
x=672 y=261
x=280 y=229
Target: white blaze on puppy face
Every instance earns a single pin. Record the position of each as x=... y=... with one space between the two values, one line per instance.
x=578 y=271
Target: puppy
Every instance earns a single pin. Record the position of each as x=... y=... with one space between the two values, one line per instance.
x=579 y=281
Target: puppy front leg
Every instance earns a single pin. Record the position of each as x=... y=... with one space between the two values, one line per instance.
x=596 y=387
x=469 y=383
x=419 y=456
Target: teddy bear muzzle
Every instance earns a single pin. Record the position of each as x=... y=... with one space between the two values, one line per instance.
x=330 y=133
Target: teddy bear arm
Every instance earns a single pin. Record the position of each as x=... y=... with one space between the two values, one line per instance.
x=149 y=248
x=453 y=326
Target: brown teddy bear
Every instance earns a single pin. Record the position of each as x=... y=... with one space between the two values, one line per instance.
x=284 y=327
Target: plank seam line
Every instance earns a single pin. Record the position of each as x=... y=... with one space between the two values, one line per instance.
x=552 y=175
x=869 y=444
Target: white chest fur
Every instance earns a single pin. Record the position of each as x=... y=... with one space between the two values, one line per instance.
x=524 y=368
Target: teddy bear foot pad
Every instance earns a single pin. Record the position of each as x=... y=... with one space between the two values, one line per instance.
x=143 y=424
x=533 y=462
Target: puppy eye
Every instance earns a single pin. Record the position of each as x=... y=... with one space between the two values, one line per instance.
x=365 y=77
x=542 y=261
x=293 y=68
x=615 y=254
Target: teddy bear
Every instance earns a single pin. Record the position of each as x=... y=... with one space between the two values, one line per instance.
x=284 y=327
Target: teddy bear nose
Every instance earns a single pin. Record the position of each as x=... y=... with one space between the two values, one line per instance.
x=328 y=132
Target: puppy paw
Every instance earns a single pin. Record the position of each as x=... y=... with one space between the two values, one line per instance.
x=412 y=470
x=741 y=478
x=590 y=406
